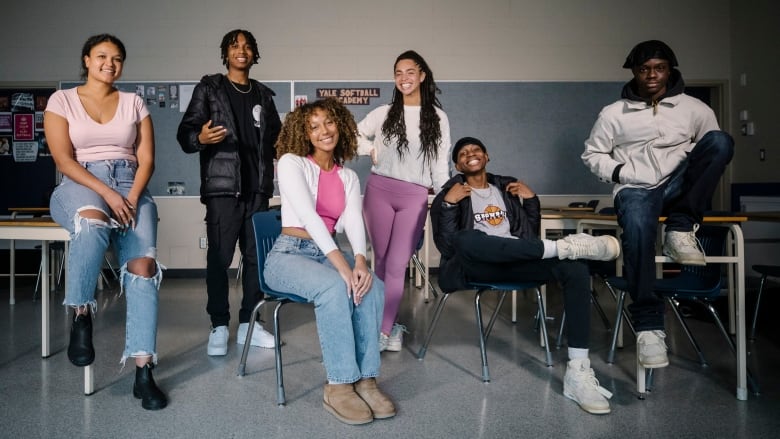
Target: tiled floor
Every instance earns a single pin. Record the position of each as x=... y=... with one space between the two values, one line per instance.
x=440 y=397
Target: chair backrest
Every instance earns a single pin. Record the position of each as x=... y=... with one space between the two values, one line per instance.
x=700 y=281
x=267 y=226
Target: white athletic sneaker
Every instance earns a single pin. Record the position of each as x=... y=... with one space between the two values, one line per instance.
x=580 y=384
x=260 y=337
x=584 y=246
x=218 y=341
x=651 y=349
x=383 y=342
x=396 y=338
x=684 y=248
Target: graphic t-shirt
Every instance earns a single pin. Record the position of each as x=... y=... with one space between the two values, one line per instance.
x=490 y=212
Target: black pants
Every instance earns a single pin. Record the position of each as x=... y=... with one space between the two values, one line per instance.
x=683 y=199
x=492 y=259
x=229 y=220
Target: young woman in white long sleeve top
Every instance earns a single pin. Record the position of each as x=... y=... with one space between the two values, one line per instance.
x=409 y=142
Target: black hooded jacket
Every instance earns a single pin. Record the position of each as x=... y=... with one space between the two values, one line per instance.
x=524 y=221
x=220 y=164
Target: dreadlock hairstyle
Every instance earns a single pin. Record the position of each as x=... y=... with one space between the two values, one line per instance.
x=294 y=136
x=231 y=38
x=394 y=127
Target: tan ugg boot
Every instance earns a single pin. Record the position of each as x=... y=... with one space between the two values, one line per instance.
x=343 y=403
x=380 y=403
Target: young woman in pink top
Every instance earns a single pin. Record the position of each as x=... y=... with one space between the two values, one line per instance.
x=102 y=141
x=319 y=198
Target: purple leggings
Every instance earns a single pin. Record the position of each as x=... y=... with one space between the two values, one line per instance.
x=395 y=213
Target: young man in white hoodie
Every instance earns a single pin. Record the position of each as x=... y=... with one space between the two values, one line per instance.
x=664 y=152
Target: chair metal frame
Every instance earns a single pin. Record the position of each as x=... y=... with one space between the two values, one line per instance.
x=698 y=284
x=484 y=332
x=765 y=271
x=267 y=226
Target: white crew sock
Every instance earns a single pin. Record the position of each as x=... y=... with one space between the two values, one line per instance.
x=550 y=249
x=578 y=353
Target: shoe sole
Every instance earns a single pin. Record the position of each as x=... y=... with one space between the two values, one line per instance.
x=240 y=342
x=654 y=365
x=615 y=246
x=338 y=416
x=216 y=352
x=394 y=348
x=682 y=261
x=591 y=411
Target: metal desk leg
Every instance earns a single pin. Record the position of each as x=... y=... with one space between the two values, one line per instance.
x=45 y=348
x=12 y=273
x=89 y=380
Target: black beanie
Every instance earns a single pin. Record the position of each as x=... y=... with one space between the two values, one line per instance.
x=649 y=50
x=463 y=142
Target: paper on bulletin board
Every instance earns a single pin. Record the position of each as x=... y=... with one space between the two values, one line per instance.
x=25 y=151
x=185 y=94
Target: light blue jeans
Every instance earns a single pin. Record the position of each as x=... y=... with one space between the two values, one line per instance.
x=89 y=240
x=349 y=334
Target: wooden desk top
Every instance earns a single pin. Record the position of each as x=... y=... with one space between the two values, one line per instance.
x=724 y=218
x=569 y=209
x=29 y=222
x=762 y=216
x=29 y=209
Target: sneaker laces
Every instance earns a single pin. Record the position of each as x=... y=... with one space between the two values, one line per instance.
x=689 y=239
x=588 y=378
x=581 y=247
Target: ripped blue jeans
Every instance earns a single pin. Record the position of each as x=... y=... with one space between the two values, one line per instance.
x=89 y=240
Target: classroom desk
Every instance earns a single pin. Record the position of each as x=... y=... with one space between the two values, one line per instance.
x=44 y=230
x=736 y=270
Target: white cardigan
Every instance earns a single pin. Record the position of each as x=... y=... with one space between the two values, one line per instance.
x=298 y=179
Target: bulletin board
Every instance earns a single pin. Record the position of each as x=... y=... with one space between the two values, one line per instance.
x=27 y=171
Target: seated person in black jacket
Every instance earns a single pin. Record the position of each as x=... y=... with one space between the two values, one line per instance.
x=486 y=226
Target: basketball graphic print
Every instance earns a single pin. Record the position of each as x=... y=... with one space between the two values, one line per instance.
x=496 y=217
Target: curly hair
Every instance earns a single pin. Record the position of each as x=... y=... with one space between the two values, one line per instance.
x=231 y=38
x=93 y=41
x=394 y=126
x=294 y=136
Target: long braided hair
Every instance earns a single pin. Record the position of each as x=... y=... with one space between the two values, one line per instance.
x=394 y=126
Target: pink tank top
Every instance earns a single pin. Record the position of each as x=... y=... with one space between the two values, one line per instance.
x=331 y=199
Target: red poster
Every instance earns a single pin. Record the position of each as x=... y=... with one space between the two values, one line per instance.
x=24 y=127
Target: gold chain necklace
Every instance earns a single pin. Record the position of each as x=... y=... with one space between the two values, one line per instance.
x=238 y=89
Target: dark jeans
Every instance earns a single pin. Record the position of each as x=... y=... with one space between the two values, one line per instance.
x=492 y=259
x=683 y=199
x=229 y=220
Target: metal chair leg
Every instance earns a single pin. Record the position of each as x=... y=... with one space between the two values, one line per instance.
x=543 y=325
x=674 y=305
x=559 y=341
x=755 y=310
x=494 y=316
x=618 y=321
x=280 y=396
x=252 y=319
x=751 y=381
x=432 y=327
x=481 y=333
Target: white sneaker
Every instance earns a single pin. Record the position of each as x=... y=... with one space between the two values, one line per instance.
x=260 y=337
x=218 y=341
x=684 y=248
x=584 y=246
x=651 y=349
x=580 y=384
x=383 y=342
x=396 y=339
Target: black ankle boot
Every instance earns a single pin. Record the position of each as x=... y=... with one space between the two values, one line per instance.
x=145 y=389
x=80 y=350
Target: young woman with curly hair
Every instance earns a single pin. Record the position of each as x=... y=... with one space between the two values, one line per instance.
x=320 y=197
x=409 y=142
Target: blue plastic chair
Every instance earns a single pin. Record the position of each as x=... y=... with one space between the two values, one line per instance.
x=267 y=226
x=698 y=284
x=484 y=332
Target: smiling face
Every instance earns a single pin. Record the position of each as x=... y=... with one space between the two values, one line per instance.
x=408 y=78
x=471 y=160
x=240 y=54
x=651 y=78
x=322 y=131
x=104 y=62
